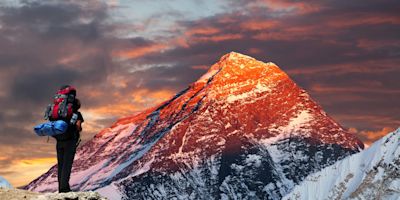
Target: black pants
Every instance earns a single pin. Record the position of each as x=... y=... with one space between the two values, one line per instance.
x=65 y=157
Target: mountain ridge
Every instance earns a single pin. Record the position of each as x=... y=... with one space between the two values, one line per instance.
x=370 y=174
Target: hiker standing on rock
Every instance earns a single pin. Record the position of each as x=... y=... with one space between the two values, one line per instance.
x=65 y=126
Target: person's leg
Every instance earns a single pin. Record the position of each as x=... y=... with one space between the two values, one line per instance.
x=60 y=161
x=69 y=154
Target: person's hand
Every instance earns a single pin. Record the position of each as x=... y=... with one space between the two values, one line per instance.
x=79 y=125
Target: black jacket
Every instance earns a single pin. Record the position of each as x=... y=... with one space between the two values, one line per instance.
x=72 y=131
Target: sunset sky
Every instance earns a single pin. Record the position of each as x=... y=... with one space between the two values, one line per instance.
x=128 y=55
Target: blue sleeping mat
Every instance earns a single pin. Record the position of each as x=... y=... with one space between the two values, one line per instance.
x=51 y=128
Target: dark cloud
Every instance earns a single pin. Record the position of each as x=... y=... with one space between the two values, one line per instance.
x=53 y=21
x=46 y=45
x=36 y=87
x=50 y=44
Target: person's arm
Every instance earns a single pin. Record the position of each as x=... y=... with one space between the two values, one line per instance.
x=79 y=122
x=79 y=125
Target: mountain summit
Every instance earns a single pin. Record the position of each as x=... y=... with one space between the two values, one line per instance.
x=243 y=130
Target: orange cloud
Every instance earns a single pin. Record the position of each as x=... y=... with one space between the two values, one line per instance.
x=23 y=171
x=255 y=50
x=269 y=36
x=203 y=34
x=376 y=44
x=333 y=89
x=370 y=67
x=151 y=98
x=222 y=37
x=93 y=93
x=292 y=32
x=128 y=104
x=349 y=20
x=279 y=31
x=186 y=40
x=381 y=120
x=120 y=109
x=226 y=19
x=257 y=25
x=139 y=51
x=118 y=81
x=202 y=31
x=369 y=137
x=295 y=6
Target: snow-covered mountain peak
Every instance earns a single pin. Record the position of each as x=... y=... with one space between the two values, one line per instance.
x=236 y=73
x=244 y=130
x=238 y=80
x=236 y=66
x=370 y=174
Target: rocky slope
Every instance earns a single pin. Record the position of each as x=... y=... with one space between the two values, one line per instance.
x=371 y=174
x=243 y=130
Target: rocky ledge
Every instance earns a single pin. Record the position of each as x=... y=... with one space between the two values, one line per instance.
x=17 y=194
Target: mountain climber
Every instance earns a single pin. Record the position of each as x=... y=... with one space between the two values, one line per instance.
x=67 y=143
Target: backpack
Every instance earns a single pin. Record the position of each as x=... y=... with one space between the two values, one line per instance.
x=62 y=106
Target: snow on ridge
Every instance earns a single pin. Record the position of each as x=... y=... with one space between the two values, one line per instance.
x=260 y=88
x=301 y=119
x=369 y=174
x=295 y=124
x=232 y=56
x=207 y=75
x=283 y=132
x=123 y=132
x=76 y=177
x=111 y=192
x=235 y=56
